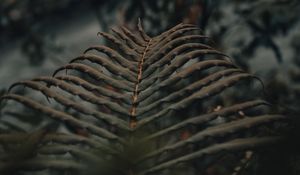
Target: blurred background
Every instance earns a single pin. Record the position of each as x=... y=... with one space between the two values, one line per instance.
x=261 y=36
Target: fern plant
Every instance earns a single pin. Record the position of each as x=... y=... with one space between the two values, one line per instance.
x=146 y=105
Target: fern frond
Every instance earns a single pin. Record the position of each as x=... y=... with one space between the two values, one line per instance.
x=129 y=103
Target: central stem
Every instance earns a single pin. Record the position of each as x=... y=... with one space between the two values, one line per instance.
x=133 y=119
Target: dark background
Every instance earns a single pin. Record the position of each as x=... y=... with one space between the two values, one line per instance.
x=261 y=36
